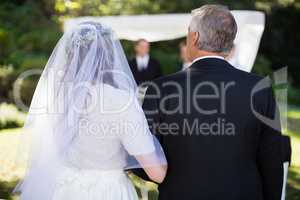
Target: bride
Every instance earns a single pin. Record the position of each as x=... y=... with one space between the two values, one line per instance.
x=85 y=124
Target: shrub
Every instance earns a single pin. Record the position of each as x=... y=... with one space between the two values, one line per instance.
x=10 y=116
x=5 y=42
x=27 y=91
x=33 y=62
x=262 y=66
x=6 y=80
x=293 y=95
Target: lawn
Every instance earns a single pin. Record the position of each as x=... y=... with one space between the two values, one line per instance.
x=10 y=172
x=293 y=189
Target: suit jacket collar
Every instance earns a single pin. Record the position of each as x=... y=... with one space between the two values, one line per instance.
x=210 y=63
x=203 y=57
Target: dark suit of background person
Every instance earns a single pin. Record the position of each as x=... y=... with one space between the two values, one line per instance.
x=149 y=73
x=244 y=164
x=143 y=66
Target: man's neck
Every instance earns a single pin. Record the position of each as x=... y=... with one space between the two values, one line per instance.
x=201 y=54
x=142 y=56
x=207 y=55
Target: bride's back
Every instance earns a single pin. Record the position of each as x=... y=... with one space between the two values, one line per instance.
x=101 y=129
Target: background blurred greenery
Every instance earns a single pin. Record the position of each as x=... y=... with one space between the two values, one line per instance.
x=29 y=30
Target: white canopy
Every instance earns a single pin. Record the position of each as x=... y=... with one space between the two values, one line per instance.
x=172 y=26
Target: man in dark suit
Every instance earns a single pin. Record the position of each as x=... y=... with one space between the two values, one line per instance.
x=216 y=124
x=143 y=66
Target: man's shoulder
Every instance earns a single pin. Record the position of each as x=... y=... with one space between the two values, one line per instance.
x=240 y=76
x=244 y=76
x=164 y=81
x=170 y=77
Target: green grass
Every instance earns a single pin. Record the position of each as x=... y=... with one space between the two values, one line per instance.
x=295 y=140
x=293 y=186
x=6 y=189
x=293 y=112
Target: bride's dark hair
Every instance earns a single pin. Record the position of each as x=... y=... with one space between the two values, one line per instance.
x=100 y=75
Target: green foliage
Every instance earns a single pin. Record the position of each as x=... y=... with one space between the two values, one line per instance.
x=108 y=7
x=6 y=188
x=39 y=40
x=33 y=28
x=33 y=61
x=10 y=116
x=6 y=81
x=113 y=7
x=293 y=95
x=279 y=42
x=169 y=61
x=293 y=187
x=24 y=60
x=168 y=55
x=262 y=66
x=28 y=31
x=27 y=90
x=5 y=42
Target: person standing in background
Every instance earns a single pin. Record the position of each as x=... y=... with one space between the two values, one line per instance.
x=185 y=63
x=143 y=66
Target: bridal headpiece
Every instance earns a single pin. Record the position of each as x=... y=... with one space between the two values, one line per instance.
x=87 y=33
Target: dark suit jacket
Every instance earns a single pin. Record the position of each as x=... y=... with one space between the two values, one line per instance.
x=220 y=149
x=153 y=71
x=286 y=149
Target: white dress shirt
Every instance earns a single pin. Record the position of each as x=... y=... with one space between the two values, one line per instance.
x=142 y=62
x=186 y=65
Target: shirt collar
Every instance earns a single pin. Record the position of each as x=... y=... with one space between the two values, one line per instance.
x=144 y=57
x=203 y=57
x=142 y=62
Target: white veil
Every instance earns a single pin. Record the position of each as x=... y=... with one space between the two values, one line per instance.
x=86 y=56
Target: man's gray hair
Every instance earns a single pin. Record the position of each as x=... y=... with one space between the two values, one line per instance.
x=216 y=26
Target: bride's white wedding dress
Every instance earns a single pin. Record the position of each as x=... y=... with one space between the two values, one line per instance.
x=82 y=178
x=85 y=124
x=94 y=185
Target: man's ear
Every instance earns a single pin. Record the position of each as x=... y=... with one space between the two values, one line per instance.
x=195 y=38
